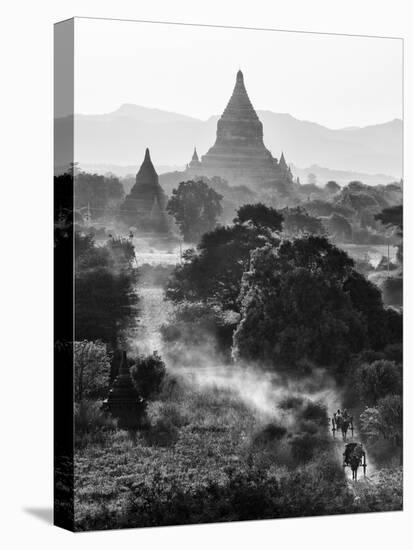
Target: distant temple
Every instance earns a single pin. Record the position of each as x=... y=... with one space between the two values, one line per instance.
x=144 y=207
x=239 y=154
x=195 y=165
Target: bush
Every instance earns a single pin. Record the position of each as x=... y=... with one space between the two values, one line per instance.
x=315 y=412
x=148 y=374
x=91 y=423
x=163 y=433
x=168 y=411
x=268 y=434
x=306 y=445
x=205 y=328
x=92 y=369
x=378 y=379
x=393 y=291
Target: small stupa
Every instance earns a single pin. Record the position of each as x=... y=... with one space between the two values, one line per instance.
x=144 y=207
x=124 y=403
x=194 y=166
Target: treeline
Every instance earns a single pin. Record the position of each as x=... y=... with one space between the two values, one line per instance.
x=101 y=194
x=347 y=214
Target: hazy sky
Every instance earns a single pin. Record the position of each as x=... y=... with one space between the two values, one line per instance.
x=334 y=80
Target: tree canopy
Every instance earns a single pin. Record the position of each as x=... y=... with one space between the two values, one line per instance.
x=260 y=216
x=377 y=379
x=196 y=208
x=297 y=221
x=212 y=273
x=304 y=300
x=92 y=369
x=105 y=296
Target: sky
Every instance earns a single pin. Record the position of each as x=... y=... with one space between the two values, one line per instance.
x=335 y=80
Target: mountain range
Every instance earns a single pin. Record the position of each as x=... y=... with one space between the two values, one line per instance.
x=119 y=139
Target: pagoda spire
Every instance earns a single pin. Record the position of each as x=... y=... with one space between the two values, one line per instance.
x=195 y=155
x=283 y=164
x=147 y=174
x=240 y=103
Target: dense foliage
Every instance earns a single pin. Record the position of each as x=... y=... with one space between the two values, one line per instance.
x=102 y=194
x=303 y=300
x=148 y=374
x=297 y=221
x=196 y=208
x=213 y=272
x=91 y=369
x=378 y=379
x=105 y=296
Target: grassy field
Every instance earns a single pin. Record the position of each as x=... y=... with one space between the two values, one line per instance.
x=205 y=456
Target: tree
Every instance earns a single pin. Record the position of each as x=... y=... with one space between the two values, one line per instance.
x=393 y=217
x=295 y=307
x=366 y=297
x=148 y=374
x=105 y=289
x=259 y=216
x=196 y=208
x=385 y=421
x=332 y=187
x=378 y=379
x=297 y=221
x=356 y=185
x=99 y=192
x=212 y=273
x=92 y=368
x=339 y=227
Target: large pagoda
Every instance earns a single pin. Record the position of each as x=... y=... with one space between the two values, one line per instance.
x=239 y=154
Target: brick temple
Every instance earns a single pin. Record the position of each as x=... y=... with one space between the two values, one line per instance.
x=239 y=154
x=144 y=207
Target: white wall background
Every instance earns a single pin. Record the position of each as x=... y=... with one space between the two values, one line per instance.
x=26 y=115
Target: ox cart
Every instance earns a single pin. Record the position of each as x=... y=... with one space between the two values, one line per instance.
x=354 y=456
x=342 y=423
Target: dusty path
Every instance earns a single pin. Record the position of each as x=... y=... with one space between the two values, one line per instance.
x=339 y=445
x=260 y=390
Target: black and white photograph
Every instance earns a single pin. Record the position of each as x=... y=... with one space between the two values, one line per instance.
x=205 y=282
x=237 y=233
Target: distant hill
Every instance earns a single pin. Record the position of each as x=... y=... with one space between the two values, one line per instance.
x=120 y=138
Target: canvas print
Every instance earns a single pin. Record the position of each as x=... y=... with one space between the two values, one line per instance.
x=229 y=273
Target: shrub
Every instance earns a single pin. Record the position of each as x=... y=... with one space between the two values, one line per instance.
x=197 y=325
x=92 y=369
x=268 y=434
x=378 y=379
x=306 y=445
x=91 y=423
x=393 y=291
x=148 y=374
x=315 y=412
x=163 y=433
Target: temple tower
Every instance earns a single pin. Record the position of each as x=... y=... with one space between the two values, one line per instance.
x=194 y=167
x=144 y=207
x=124 y=402
x=239 y=152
